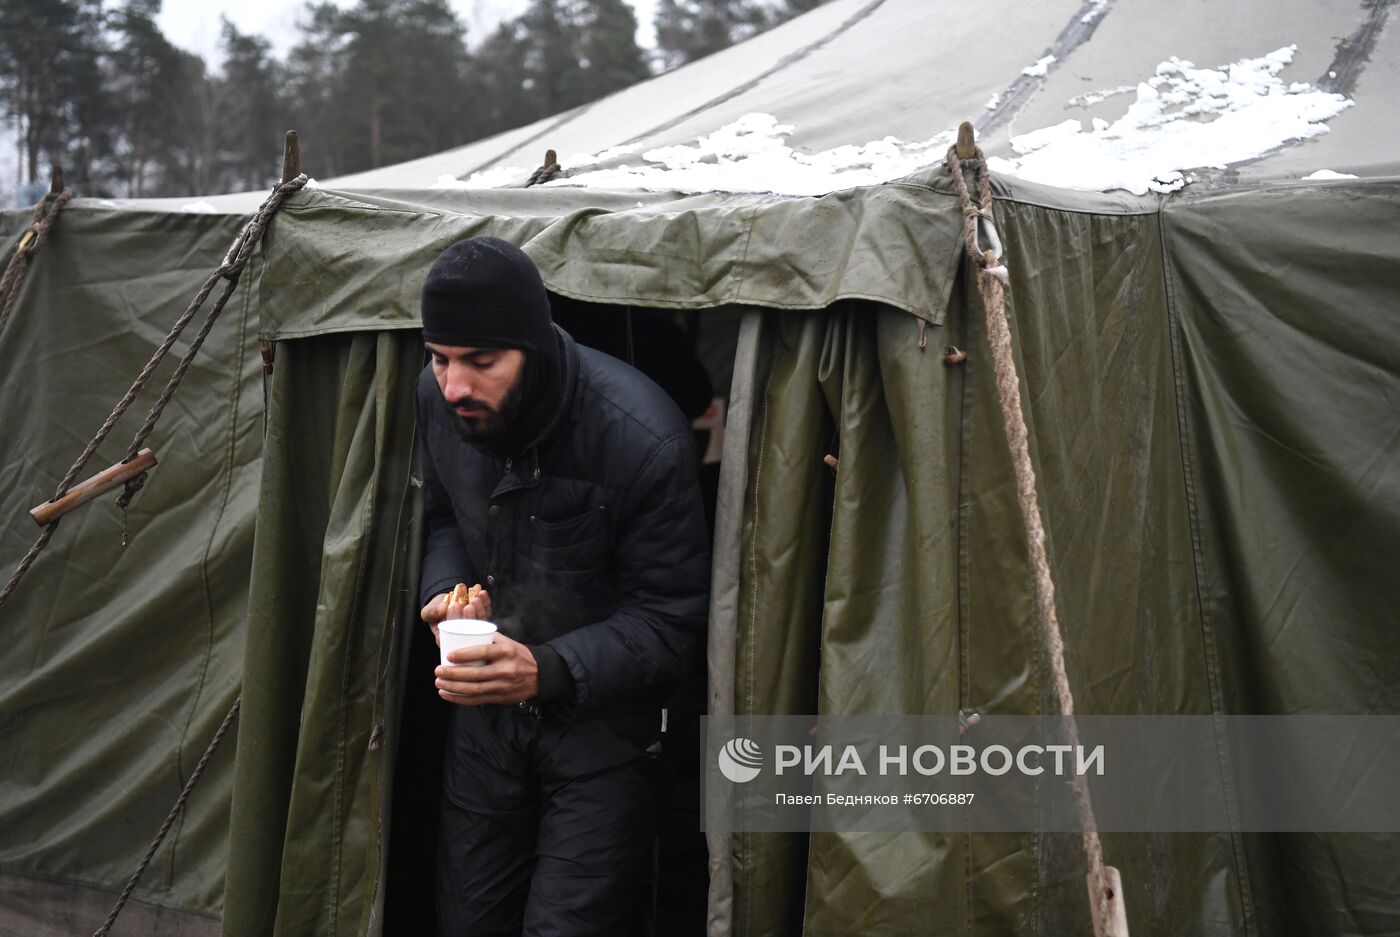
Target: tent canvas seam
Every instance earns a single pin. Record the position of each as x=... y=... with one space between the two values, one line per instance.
x=235 y=398
x=739 y=265
x=965 y=421
x=1173 y=321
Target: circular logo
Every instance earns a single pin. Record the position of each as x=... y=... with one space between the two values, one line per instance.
x=740 y=760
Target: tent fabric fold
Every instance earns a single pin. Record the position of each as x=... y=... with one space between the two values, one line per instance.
x=341 y=263
x=325 y=608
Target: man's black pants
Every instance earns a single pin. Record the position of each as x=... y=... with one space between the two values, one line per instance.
x=547 y=826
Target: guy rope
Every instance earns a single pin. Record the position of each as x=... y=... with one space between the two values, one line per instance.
x=1105 y=886
x=51 y=512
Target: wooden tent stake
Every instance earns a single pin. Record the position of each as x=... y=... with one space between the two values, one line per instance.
x=291 y=157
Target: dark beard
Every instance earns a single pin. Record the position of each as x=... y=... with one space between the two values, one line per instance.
x=496 y=421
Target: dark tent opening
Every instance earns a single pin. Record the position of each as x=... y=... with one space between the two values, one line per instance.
x=692 y=360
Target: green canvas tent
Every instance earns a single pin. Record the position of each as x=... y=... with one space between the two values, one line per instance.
x=1211 y=375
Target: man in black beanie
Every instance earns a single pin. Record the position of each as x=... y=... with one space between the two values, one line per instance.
x=564 y=482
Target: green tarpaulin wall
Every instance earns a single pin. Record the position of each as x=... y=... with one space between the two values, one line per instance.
x=118 y=663
x=1212 y=382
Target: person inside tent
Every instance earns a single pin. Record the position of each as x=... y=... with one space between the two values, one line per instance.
x=564 y=482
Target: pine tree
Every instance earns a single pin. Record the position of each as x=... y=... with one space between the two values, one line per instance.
x=51 y=86
x=318 y=105
x=505 y=90
x=609 y=56
x=687 y=30
x=251 y=115
x=406 y=69
x=553 y=74
x=146 y=74
x=189 y=160
x=435 y=94
x=370 y=51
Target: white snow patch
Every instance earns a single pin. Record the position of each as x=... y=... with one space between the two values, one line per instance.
x=584 y=160
x=751 y=155
x=992 y=102
x=200 y=207
x=1183 y=117
x=1094 y=97
x=1040 y=68
x=1330 y=174
x=1039 y=139
x=312 y=184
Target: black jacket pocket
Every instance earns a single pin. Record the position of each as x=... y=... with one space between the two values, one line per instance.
x=574 y=544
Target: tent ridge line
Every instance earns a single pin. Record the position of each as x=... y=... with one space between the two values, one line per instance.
x=1079 y=30
x=1353 y=52
x=563 y=119
x=787 y=61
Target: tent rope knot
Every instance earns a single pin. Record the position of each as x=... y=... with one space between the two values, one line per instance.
x=45 y=214
x=1105 y=891
x=129 y=490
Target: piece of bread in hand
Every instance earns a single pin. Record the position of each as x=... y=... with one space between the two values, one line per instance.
x=459 y=598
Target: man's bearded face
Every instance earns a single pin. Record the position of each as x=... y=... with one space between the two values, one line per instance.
x=483 y=388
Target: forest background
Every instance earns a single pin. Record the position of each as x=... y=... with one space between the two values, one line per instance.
x=98 y=88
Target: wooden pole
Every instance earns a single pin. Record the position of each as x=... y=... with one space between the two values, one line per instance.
x=967 y=144
x=291 y=157
x=56 y=179
x=96 y=486
x=1117 y=912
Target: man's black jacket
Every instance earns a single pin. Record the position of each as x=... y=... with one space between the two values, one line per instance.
x=592 y=541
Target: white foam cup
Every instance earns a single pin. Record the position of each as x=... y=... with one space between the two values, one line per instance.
x=463 y=632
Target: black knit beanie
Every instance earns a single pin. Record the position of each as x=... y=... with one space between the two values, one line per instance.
x=486 y=293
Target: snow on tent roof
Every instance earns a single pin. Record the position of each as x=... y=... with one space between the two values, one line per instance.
x=862 y=91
